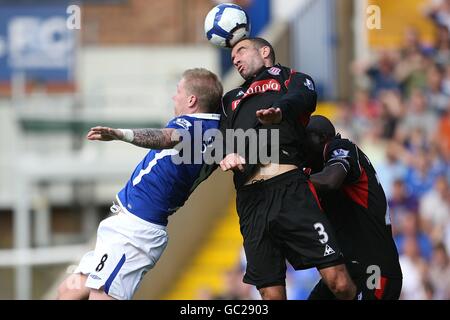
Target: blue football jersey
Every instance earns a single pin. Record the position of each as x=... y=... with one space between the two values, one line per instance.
x=158 y=186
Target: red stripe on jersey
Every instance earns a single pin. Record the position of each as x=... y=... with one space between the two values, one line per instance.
x=313 y=190
x=359 y=191
x=303 y=119
x=286 y=83
x=380 y=292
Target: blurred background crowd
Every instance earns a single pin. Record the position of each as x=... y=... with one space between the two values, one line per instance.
x=387 y=88
x=400 y=113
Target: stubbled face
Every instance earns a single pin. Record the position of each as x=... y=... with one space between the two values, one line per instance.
x=181 y=98
x=247 y=59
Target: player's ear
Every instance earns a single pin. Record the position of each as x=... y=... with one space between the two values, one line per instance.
x=265 y=51
x=192 y=100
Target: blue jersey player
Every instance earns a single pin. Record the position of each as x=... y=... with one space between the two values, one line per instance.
x=131 y=241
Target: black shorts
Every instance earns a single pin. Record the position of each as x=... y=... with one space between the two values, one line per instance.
x=389 y=287
x=281 y=219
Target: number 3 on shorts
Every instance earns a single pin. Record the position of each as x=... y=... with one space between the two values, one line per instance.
x=321 y=231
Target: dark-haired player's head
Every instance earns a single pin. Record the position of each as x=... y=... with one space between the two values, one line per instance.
x=199 y=90
x=319 y=131
x=250 y=55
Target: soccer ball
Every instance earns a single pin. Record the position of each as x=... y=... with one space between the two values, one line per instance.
x=226 y=24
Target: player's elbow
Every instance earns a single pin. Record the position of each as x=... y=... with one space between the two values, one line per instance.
x=171 y=144
x=332 y=179
x=171 y=138
x=62 y=289
x=324 y=183
x=332 y=184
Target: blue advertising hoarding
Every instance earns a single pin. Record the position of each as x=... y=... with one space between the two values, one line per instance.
x=35 y=41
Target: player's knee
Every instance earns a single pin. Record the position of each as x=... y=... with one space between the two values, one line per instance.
x=70 y=289
x=273 y=293
x=339 y=282
x=343 y=288
x=97 y=294
x=64 y=292
x=61 y=292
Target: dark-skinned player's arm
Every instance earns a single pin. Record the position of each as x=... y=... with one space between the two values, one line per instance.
x=330 y=178
x=341 y=166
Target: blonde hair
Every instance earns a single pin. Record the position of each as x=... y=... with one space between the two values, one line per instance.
x=206 y=86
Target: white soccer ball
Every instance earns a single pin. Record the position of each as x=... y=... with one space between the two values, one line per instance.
x=226 y=24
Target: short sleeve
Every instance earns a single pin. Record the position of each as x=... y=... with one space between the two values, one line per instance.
x=343 y=152
x=181 y=122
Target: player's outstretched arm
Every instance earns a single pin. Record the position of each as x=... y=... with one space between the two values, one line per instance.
x=165 y=138
x=330 y=178
x=104 y=134
x=300 y=100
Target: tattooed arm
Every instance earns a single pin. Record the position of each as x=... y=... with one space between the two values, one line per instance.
x=155 y=138
x=165 y=138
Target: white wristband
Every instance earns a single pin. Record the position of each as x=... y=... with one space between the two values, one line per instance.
x=128 y=135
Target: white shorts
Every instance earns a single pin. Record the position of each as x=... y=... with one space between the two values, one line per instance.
x=127 y=247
